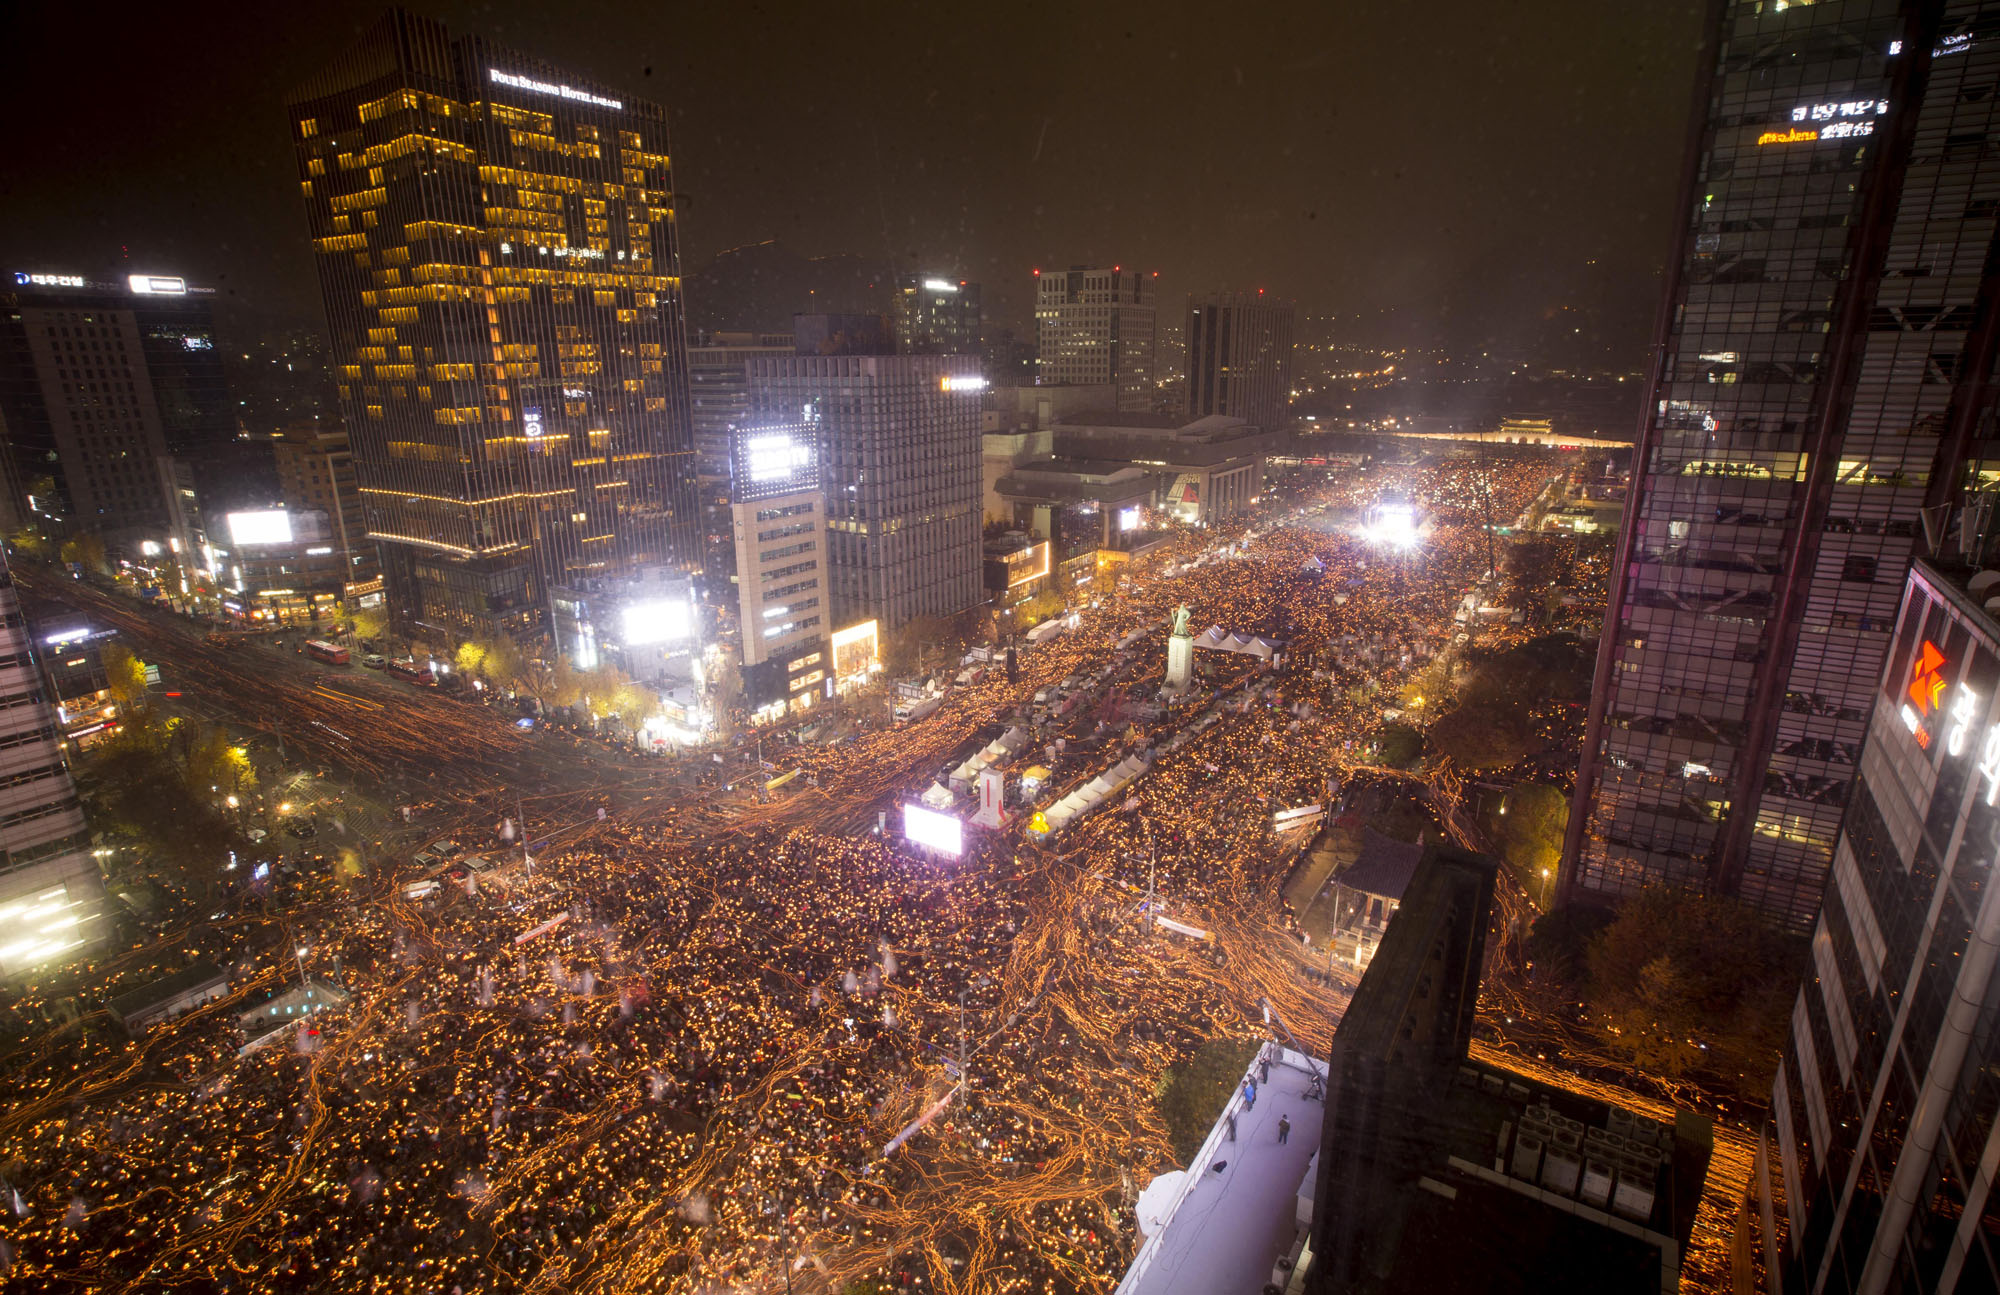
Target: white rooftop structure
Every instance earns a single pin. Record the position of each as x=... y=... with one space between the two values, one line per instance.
x=1241 y=1206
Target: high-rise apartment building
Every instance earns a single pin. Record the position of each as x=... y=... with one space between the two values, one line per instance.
x=1098 y=326
x=1239 y=358
x=495 y=243
x=316 y=478
x=1876 y=1171
x=51 y=891
x=783 y=610
x=937 y=315
x=102 y=385
x=1819 y=379
x=899 y=459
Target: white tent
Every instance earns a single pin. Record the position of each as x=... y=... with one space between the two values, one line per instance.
x=937 y=796
x=1000 y=748
x=1105 y=786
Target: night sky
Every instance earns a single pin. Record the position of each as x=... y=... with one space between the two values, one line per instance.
x=1458 y=162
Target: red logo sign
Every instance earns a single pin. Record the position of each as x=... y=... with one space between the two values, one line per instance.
x=1926 y=684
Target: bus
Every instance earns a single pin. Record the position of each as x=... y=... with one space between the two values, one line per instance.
x=331 y=653
x=414 y=671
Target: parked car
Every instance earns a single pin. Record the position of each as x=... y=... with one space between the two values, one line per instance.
x=374 y=661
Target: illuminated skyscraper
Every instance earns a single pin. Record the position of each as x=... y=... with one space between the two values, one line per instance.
x=1096 y=326
x=496 y=248
x=1824 y=350
x=1239 y=359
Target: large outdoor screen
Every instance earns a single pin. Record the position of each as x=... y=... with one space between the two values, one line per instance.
x=927 y=827
x=272 y=526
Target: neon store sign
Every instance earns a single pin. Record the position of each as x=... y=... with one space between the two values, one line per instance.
x=1924 y=702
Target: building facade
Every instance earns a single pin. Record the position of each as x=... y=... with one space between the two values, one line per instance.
x=719 y=385
x=496 y=249
x=783 y=609
x=899 y=461
x=52 y=902
x=103 y=385
x=1239 y=358
x=1819 y=379
x=316 y=475
x=937 y=315
x=1877 y=1168
x=1094 y=325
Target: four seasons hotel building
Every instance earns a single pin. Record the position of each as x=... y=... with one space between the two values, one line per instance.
x=496 y=249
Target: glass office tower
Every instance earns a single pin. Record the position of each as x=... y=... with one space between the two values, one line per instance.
x=496 y=248
x=1818 y=383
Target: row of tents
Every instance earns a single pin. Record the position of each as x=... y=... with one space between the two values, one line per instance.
x=1217 y=639
x=1093 y=794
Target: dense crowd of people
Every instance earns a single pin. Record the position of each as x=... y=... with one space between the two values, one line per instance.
x=676 y=1060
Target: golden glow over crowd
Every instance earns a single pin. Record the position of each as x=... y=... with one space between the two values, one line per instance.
x=688 y=1084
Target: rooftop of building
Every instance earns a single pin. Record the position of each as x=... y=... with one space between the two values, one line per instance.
x=1448 y=1174
x=1383 y=867
x=1235 y=1213
x=1206 y=427
x=1979 y=587
x=1079 y=481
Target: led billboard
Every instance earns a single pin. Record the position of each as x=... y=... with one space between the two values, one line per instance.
x=271 y=526
x=935 y=831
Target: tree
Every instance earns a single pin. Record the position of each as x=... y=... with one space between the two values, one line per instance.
x=1531 y=834
x=86 y=550
x=1193 y=1093
x=1401 y=745
x=1039 y=608
x=503 y=663
x=469 y=657
x=1685 y=983
x=125 y=677
x=369 y=622
x=32 y=544
x=1481 y=735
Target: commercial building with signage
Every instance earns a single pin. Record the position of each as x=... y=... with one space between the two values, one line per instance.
x=1876 y=1172
x=495 y=244
x=113 y=398
x=782 y=606
x=1820 y=377
x=898 y=447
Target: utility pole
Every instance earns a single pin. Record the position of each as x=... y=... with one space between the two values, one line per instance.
x=521 y=825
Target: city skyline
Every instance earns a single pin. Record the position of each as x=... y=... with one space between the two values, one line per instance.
x=1366 y=185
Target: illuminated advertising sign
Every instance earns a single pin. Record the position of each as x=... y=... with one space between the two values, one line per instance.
x=775 y=456
x=939 y=285
x=932 y=830
x=157 y=285
x=670 y=620
x=1128 y=518
x=531 y=420
x=1025 y=565
x=856 y=649
x=272 y=526
x=544 y=87
x=27 y=280
x=962 y=382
